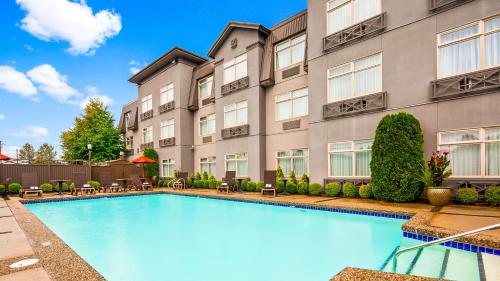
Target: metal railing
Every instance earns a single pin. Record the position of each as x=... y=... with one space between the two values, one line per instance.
x=438 y=241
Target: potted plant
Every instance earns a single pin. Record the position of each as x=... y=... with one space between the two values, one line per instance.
x=438 y=194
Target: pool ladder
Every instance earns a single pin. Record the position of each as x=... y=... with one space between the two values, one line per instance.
x=438 y=241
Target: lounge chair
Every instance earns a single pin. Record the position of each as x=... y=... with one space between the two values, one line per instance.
x=269 y=182
x=29 y=183
x=179 y=183
x=81 y=185
x=228 y=182
x=107 y=182
x=137 y=184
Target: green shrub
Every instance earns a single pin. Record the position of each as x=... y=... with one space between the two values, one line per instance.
x=279 y=173
x=251 y=186
x=46 y=187
x=259 y=186
x=349 y=190
x=291 y=188
x=151 y=169
x=94 y=184
x=304 y=178
x=280 y=186
x=303 y=188
x=71 y=186
x=315 y=189
x=206 y=183
x=198 y=183
x=2 y=189
x=292 y=178
x=189 y=181
x=14 y=187
x=333 y=189
x=211 y=178
x=161 y=182
x=197 y=176
x=467 y=195
x=244 y=184
x=365 y=191
x=492 y=195
x=205 y=175
x=397 y=164
x=212 y=184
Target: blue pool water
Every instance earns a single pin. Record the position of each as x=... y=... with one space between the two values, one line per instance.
x=171 y=237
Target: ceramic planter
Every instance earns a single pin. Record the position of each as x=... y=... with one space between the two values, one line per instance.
x=439 y=196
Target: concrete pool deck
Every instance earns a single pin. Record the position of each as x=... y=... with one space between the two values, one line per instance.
x=59 y=262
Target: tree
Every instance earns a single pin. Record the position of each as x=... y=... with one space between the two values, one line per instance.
x=45 y=153
x=151 y=169
x=95 y=126
x=27 y=152
x=397 y=164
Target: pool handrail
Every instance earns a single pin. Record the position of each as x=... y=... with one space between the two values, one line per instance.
x=438 y=241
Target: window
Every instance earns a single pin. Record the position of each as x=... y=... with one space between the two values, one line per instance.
x=205 y=87
x=168 y=168
x=354 y=79
x=237 y=162
x=296 y=160
x=290 y=52
x=352 y=158
x=207 y=164
x=167 y=129
x=147 y=134
x=292 y=104
x=235 y=69
x=207 y=125
x=147 y=103
x=473 y=152
x=469 y=48
x=167 y=94
x=129 y=142
x=127 y=120
x=344 y=13
x=235 y=114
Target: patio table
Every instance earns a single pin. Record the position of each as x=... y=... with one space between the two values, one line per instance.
x=240 y=179
x=60 y=183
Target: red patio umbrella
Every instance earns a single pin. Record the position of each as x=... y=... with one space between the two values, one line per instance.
x=143 y=160
x=4 y=157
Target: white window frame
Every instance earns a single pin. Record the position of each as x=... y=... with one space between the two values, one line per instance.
x=353 y=15
x=351 y=150
x=481 y=34
x=168 y=162
x=210 y=160
x=293 y=95
x=167 y=94
x=207 y=119
x=206 y=81
x=236 y=159
x=352 y=72
x=292 y=158
x=168 y=126
x=482 y=142
x=232 y=64
x=147 y=103
x=146 y=130
x=289 y=44
x=129 y=142
x=237 y=106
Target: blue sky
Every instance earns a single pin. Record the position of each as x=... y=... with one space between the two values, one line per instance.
x=54 y=54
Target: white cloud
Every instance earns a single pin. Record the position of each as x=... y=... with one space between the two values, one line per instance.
x=28 y=47
x=32 y=132
x=2 y=116
x=93 y=93
x=10 y=150
x=133 y=62
x=52 y=82
x=16 y=82
x=134 y=70
x=74 y=22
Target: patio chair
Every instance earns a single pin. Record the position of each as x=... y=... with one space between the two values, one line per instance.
x=179 y=183
x=269 y=182
x=107 y=182
x=29 y=184
x=137 y=184
x=81 y=185
x=228 y=182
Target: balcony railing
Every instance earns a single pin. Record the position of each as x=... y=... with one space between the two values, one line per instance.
x=207 y=139
x=472 y=83
x=208 y=100
x=294 y=124
x=129 y=152
x=440 y=4
x=233 y=132
x=166 y=107
x=147 y=145
x=167 y=142
x=354 y=32
x=368 y=103
x=147 y=115
x=234 y=86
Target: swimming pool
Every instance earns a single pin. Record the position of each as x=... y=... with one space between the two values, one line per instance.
x=173 y=237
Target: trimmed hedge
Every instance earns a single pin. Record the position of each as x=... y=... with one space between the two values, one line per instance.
x=94 y=184
x=467 y=195
x=349 y=190
x=315 y=189
x=206 y=184
x=397 y=164
x=2 y=189
x=251 y=186
x=303 y=188
x=333 y=189
x=198 y=183
x=14 y=187
x=280 y=186
x=260 y=185
x=492 y=195
x=291 y=188
x=46 y=187
x=365 y=191
x=244 y=184
x=212 y=184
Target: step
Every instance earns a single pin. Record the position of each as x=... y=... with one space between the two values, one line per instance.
x=491 y=265
x=462 y=265
x=430 y=262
